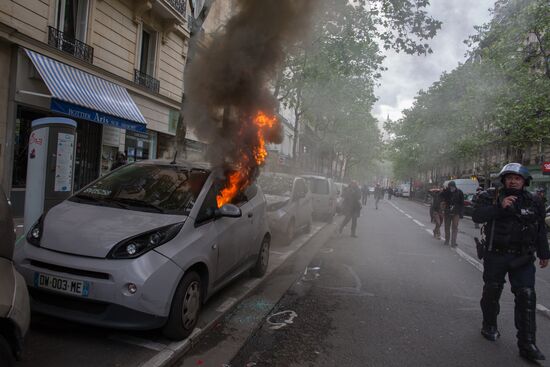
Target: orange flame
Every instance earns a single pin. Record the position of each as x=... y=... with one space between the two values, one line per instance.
x=241 y=177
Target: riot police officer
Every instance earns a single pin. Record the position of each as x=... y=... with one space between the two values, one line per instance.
x=514 y=232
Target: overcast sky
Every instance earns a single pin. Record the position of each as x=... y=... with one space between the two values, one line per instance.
x=406 y=74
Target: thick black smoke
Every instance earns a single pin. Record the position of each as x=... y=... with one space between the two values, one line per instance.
x=229 y=81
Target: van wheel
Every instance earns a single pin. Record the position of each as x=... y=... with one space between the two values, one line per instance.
x=185 y=309
x=6 y=353
x=260 y=268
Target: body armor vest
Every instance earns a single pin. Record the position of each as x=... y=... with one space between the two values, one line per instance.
x=517 y=228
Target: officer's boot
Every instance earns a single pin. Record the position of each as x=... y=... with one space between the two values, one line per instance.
x=491 y=308
x=525 y=319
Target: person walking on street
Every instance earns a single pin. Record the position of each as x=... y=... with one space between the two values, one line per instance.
x=475 y=199
x=390 y=193
x=541 y=195
x=436 y=210
x=378 y=194
x=351 y=207
x=514 y=232
x=364 y=194
x=453 y=200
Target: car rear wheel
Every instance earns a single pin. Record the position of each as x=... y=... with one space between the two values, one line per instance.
x=260 y=268
x=185 y=309
x=6 y=355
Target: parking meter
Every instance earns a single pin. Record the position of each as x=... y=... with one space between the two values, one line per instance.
x=50 y=167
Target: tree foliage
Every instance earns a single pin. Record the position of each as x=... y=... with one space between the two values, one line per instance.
x=500 y=98
x=329 y=79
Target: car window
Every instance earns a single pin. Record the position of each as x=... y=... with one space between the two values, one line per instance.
x=279 y=185
x=209 y=204
x=300 y=187
x=318 y=185
x=147 y=187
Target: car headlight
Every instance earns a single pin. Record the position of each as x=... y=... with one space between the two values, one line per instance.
x=34 y=235
x=136 y=246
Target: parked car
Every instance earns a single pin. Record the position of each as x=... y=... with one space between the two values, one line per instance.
x=405 y=190
x=14 y=299
x=323 y=193
x=143 y=248
x=289 y=203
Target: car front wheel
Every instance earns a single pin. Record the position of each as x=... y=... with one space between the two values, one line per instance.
x=185 y=309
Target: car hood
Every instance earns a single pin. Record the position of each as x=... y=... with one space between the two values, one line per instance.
x=275 y=199
x=91 y=230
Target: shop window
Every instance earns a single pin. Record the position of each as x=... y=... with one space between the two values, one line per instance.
x=139 y=146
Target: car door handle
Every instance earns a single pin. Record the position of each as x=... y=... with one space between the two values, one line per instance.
x=250 y=215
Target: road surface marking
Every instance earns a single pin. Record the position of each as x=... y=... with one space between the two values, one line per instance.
x=132 y=340
x=429 y=231
x=478 y=265
x=226 y=305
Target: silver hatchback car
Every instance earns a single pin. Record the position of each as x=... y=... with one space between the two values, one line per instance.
x=143 y=247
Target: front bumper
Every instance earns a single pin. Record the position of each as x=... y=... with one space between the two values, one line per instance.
x=108 y=302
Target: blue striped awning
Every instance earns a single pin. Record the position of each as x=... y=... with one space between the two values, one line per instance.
x=83 y=95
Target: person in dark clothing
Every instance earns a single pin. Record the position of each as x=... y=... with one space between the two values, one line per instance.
x=453 y=200
x=351 y=207
x=390 y=193
x=541 y=195
x=436 y=212
x=364 y=194
x=378 y=194
x=475 y=199
x=514 y=232
x=120 y=161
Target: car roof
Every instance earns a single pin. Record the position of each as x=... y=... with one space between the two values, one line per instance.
x=317 y=177
x=182 y=164
x=277 y=174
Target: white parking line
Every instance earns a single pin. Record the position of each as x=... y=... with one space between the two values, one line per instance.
x=478 y=265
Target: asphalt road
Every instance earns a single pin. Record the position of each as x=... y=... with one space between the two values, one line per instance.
x=395 y=296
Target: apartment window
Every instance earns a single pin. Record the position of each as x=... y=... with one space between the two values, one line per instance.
x=143 y=75
x=72 y=18
x=147 y=55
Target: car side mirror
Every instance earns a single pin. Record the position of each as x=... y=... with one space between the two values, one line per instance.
x=229 y=210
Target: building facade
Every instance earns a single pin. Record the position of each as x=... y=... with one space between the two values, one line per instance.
x=114 y=66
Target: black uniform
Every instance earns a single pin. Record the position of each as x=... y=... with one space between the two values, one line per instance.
x=513 y=236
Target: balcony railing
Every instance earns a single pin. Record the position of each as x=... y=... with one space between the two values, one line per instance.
x=77 y=48
x=147 y=81
x=179 y=5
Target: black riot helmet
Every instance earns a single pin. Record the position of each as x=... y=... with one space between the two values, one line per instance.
x=516 y=169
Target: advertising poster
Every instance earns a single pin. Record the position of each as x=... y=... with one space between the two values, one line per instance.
x=64 y=163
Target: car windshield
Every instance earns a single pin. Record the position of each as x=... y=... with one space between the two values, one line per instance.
x=147 y=187
x=276 y=184
x=317 y=185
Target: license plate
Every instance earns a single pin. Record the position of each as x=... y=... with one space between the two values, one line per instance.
x=60 y=284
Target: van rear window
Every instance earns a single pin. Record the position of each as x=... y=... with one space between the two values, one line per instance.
x=317 y=186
